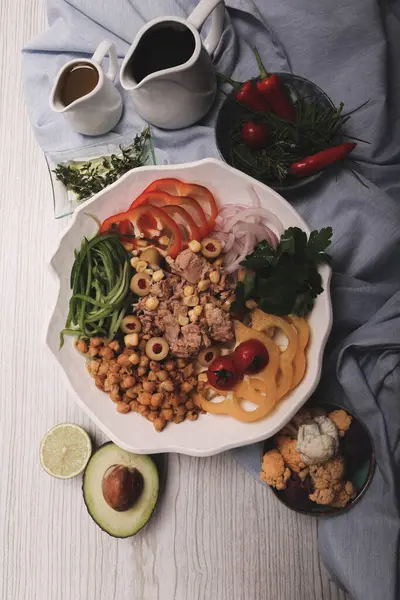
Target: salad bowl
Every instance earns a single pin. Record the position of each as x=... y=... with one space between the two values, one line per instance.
x=210 y=434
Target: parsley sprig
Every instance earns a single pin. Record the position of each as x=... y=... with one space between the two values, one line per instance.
x=286 y=279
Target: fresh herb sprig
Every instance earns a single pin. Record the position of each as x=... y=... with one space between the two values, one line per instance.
x=286 y=279
x=99 y=282
x=85 y=179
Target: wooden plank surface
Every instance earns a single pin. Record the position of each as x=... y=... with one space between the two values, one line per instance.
x=217 y=533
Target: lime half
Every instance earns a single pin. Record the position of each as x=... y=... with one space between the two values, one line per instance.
x=65 y=451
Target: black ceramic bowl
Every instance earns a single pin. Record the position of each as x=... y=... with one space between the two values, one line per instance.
x=358 y=451
x=231 y=111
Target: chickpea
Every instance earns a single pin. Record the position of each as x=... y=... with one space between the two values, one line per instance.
x=144 y=361
x=170 y=365
x=186 y=387
x=189 y=405
x=107 y=385
x=195 y=246
x=152 y=376
x=142 y=371
x=93 y=351
x=152 y=415
x=127 y=382
x=94 y=366
x=167 y=385
x=192 y=415
x=181 y=363
x=158 y=276
x=159 y=424
x=130 y=392
x=123 y=360
x=203 y=285
x=162 y=375
x=251 y=304
x=115 y=397
x=81 y=346
x=134 y=405
x=144 y=398
x=156 y=400
x=137 y=388
x=106 y=352
x=180 y=410
x=123 y=408
x=142 y=345
x=143 y=410
x=218 y=262
x=214 y=277
x=134 y=358
x=99 y=383
x=131 y=340
x=200 y=386
x=149 y=386
x=178 y=419
x=113 y=377
x=114 y=345
x=188 y=371
x=95 y=342
x=103 y=370
x=174 y=400
x=114 y=367
x=154 y=365
x=167 y=414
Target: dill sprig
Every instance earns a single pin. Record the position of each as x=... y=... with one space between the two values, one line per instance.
x=85 y=179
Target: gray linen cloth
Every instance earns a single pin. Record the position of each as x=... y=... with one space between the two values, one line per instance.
x=350 y=48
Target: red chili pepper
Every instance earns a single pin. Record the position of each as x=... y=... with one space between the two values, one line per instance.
x=273 y=92
x=254 y=134
x=247 y=94
x=317 y=162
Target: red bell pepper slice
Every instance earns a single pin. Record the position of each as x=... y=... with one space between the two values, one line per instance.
x=201 y=194
x=150 y=222
x=161 y=199
x=185 y=222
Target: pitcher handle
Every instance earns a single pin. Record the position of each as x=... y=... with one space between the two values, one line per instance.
x=200 y=14
x=107 y=47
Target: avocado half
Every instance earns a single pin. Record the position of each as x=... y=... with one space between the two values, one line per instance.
x=120 y=524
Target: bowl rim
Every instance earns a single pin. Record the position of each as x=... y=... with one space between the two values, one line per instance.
x=332 y=511
x=175 y=447
x=278 y=187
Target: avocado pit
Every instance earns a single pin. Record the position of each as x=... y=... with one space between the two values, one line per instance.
x=122 y=487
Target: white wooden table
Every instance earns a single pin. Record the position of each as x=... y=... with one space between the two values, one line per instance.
x=217 y=534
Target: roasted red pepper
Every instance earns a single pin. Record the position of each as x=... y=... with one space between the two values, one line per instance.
x=185 y=222
x=160 y=199
x=254 y=135
x=317 y=162
x=139 y=220
x=247 y=94
x=273 y=92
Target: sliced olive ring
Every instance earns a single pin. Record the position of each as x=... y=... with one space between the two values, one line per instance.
x=207 y=355
x=211 y=248
x=140 y=284
x=130 y=324
x=157 y=348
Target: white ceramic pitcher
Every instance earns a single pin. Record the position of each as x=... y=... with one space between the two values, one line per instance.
x=99 y=110
x=178 y=96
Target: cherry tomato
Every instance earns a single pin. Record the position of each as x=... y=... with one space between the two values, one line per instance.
x=254 y=134
x=250 y=357
x=222 y=373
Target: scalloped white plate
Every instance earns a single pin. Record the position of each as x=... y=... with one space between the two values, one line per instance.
x=210 y=434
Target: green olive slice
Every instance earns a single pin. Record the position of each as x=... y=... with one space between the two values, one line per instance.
x=157 y=348
x=211 y=248
x=140 y=284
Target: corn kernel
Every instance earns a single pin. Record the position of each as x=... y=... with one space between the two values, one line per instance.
x=134 y=358
x=195 y=246
x=251 y=304
x=149 y=271
x=203 y=285
x=142 y=243
x=241 y=274
x=131 y=340
x=151 y=303
x=214 y=276
x=188 y=290
x=191 y=301
x=141 y=266
x=208 y=306
x=202 y=377
x=164 y=240
x=192 y=316
x=134 y=261
x=183 y=320
x=218 y=262
x=198 y=310
x=158 y=275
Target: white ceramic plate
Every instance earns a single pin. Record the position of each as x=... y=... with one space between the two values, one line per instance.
x=210 y=434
